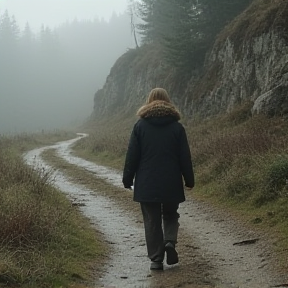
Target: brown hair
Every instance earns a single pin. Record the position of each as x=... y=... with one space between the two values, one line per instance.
x=158 y=94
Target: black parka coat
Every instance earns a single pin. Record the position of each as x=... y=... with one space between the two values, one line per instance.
x=158 y=156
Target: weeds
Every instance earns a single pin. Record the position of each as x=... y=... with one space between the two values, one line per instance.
x=236 y=151
x=275 y=181
x=107 y=141
x=44 y=242
x=242 y=157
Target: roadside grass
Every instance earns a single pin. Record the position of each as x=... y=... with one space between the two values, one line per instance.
x=241 y=166
x=240 y=162
x=108 y=140
x=44 y=240
x=26 y=141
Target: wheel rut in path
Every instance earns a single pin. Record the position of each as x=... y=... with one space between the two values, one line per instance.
x=206 y=238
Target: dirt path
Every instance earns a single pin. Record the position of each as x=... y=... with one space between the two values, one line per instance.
x=207 y=238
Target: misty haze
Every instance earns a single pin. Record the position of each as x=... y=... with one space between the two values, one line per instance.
x=48 y=79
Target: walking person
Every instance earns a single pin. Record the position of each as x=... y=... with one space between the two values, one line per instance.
x=159 y=160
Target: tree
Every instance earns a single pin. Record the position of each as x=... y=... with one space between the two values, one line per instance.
x=178 y=38
x=9 y=33
x=27 y=36
x=212 y=16
x=132 y=14
x=186 y=29
x=27 y=54
x=9 y=36
x=147 y=27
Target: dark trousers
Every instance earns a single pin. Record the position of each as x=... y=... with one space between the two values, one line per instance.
x=161 y=226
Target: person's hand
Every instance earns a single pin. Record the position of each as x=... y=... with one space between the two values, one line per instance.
x=188 y=188
x=128 y=187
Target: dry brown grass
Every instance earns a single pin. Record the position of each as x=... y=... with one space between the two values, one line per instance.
x=44 y=240
x=227 y=147
x=240 y=162
x=261 y=17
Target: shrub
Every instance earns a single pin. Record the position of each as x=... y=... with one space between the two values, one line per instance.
x=239 y=187
x=29 y=206
x=275 y=181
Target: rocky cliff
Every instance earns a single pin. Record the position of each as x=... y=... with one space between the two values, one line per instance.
x=249 y=62
x=132 y=77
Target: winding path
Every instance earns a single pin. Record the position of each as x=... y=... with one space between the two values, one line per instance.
x=206 y=230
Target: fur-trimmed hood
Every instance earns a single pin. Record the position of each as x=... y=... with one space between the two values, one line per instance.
x=158 y=109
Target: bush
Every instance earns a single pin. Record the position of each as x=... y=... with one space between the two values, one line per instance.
x=275 y=181
x=25 y=216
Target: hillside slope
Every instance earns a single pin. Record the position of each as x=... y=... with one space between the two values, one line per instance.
x=248 y=62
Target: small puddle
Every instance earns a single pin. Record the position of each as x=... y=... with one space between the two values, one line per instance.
x=122 y=232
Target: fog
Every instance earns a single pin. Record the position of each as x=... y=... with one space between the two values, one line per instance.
x=48 y=79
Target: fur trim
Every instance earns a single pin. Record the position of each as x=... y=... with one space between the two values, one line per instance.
x=158 y=108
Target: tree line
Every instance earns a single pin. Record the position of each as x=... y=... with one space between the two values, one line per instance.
x=184 y=29
x=49 y=78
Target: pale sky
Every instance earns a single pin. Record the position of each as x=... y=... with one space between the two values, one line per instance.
x=54 y=12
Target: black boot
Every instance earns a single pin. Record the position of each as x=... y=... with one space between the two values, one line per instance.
x=171 y=254
x=156 y=265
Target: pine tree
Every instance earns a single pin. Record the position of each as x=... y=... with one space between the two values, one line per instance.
x=9 y=50
x=186 y=29
x=147 y=27
x=9 y=32
x=177 y=37
x=132 y=13
x=213 y=15
x=28 y=36
x=27 y=50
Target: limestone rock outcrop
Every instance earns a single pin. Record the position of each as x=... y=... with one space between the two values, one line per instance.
x=248 y=62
